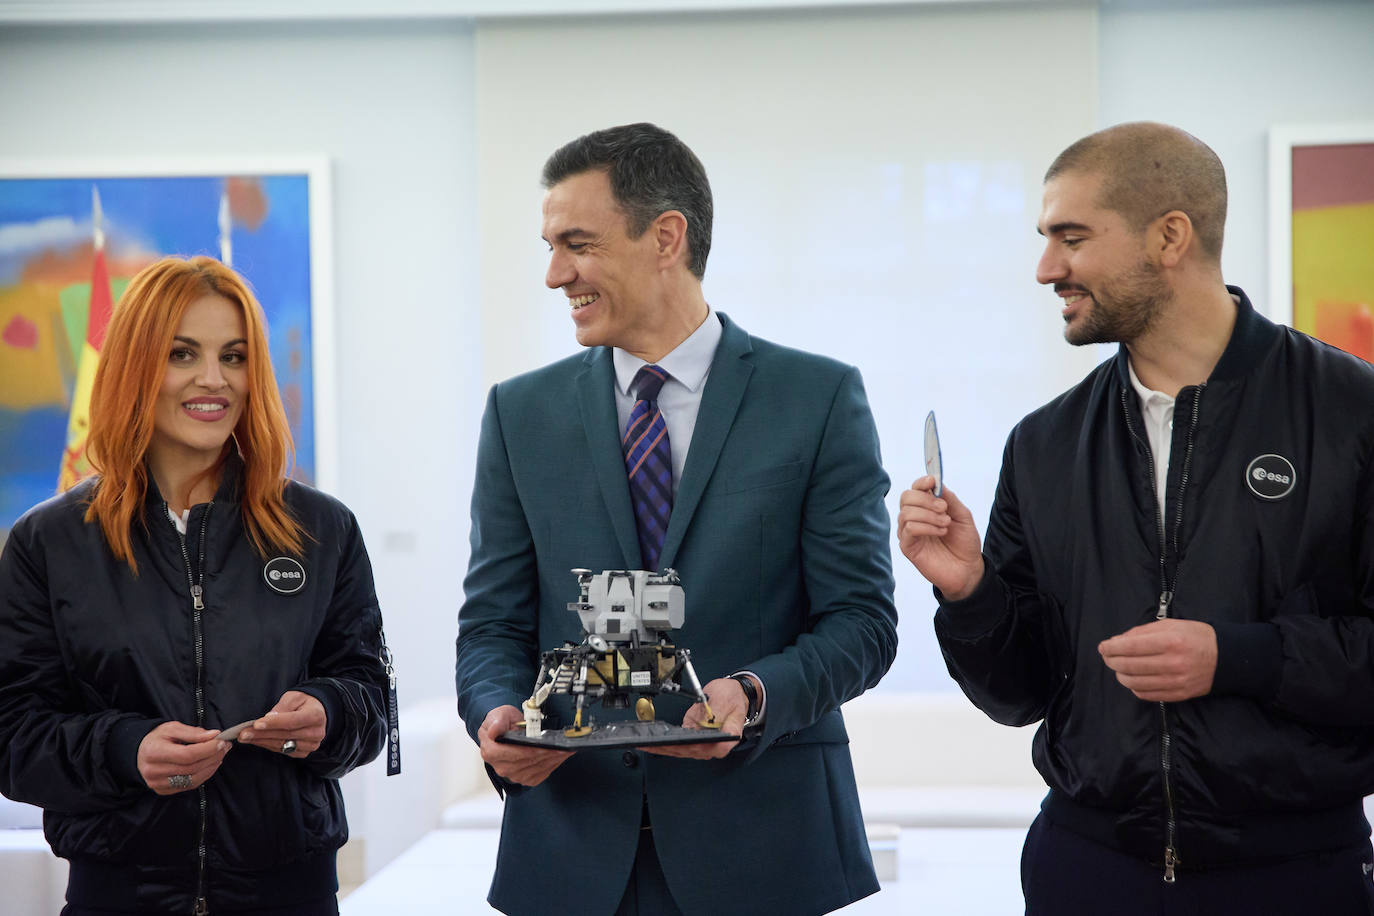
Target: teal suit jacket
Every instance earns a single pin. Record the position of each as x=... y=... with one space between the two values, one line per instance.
x=780 y=536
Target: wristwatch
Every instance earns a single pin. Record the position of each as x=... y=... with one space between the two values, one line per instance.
x=751 y=695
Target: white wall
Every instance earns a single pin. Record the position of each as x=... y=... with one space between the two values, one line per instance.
x=1228 y=75
x=876 y=176
x=391 y=107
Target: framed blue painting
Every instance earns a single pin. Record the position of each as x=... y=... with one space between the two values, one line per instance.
x=68 y=228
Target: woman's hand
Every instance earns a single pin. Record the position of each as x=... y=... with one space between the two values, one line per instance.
x=297 y=717
x=176 y=757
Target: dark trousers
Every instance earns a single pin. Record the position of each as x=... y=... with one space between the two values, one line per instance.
x=647 y=893
x=324 y=907
x=1066 y=874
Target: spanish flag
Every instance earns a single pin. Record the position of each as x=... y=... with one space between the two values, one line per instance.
x=75 y=464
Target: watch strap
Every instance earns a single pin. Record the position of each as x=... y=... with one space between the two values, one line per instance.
x=751 y=696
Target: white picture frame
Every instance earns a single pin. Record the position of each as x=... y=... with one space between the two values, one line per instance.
x=24 y=230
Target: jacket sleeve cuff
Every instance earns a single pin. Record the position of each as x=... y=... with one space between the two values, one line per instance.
x=329 y=699
x=977 y=614
x=501 y=784
x=1249 y=660
x=122 y=749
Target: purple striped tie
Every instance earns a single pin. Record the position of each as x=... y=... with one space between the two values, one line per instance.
x=649 y=464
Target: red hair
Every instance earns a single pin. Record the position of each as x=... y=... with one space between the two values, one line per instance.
x=132 y=364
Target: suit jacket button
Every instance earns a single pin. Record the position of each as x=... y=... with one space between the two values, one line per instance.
x=630 y=758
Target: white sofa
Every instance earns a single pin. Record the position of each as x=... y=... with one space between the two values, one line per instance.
x=34 y=880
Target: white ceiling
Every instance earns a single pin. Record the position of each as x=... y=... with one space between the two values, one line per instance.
x=149 y=11
x=76 y=12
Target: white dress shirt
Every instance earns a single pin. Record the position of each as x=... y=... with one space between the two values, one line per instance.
x=1158 y=410
x=680 y=398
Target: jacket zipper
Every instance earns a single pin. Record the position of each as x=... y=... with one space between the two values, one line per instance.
x=1166 y=598
x=1166 y=766
x=202 y=906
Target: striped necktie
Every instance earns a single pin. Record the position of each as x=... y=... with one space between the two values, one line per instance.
x=649 y=465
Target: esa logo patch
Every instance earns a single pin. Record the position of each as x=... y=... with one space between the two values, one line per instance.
x=284 y=575
x=1271 y=477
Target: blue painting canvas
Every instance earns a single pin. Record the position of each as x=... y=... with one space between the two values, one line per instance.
x=47 y=254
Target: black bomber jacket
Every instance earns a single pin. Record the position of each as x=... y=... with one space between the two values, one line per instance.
x=1267 y=534
x=92 y=658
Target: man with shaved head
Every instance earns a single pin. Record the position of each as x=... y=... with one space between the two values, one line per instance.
x=1177 y=581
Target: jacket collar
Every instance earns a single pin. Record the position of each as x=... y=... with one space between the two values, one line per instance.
x=720 y=400
x=600 y=426
x=1251 y=338
x=227 y=493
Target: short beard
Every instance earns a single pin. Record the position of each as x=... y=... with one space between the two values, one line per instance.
x=1124 y=311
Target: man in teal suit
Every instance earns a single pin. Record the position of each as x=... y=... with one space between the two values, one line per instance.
x=774 y=521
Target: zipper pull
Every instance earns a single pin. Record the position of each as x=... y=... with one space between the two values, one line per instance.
x=1170 y=860
x=1166 y=598
x=202 y=907
x=196 y=592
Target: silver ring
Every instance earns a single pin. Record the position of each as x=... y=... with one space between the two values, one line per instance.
x=288 y=746
x=181 y=781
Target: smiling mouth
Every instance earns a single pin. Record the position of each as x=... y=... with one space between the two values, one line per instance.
x=1071 y=295
x=579 y=301
x=204 y=406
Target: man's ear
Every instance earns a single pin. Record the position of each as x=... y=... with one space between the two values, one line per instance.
x=670 y=236
x=1172 y=237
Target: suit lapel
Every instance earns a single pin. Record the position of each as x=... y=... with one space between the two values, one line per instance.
x=596 y=402
x=720 y=401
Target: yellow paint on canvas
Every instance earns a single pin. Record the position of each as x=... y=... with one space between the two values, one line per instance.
x=1333 y=259
x=32 y=377
x=76 y=465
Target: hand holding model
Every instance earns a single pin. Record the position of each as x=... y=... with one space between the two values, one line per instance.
x=518 y=763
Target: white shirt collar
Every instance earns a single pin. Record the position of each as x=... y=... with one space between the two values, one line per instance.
x=688 y=363
x=1148 y=396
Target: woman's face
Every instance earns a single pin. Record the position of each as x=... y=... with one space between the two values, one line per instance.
x=204 y=385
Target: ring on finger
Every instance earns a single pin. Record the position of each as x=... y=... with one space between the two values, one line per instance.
x=180 y=781
x=288 y=746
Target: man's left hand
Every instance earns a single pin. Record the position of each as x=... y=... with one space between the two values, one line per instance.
x=731 y=707
x=1166 y=661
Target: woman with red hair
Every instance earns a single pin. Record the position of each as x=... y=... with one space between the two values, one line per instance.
x=189 y=587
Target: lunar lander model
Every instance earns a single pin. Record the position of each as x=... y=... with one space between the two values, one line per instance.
x=625 y=653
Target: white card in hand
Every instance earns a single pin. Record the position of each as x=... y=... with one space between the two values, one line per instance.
x=935 y=466
x=232 y=732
